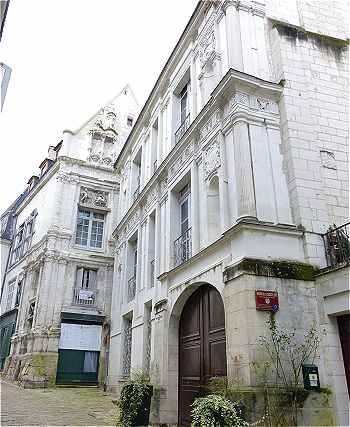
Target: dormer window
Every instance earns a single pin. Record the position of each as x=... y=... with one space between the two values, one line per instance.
x=45 y=166
x=32 y=181
x=129 y=121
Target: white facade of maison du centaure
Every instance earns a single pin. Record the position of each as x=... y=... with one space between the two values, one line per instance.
x=59 y=270
x=237 y=164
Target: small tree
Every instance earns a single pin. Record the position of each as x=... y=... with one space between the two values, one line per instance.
x=287 y=353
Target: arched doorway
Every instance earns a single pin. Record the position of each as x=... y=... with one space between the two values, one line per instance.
x=202 y=347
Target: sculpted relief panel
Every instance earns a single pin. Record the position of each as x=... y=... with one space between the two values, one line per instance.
x=211 y=159
x=93 y=198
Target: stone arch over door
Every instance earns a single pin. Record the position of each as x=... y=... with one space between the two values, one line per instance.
x=197 y=345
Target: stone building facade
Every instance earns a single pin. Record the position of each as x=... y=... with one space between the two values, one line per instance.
x=229 y=180
x=58 y=274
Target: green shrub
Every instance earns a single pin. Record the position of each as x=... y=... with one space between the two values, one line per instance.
x=215 y=411
x=131 y=398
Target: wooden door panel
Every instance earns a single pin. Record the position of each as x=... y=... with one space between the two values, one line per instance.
x=190 y=362
x=217 y=354
x=202 y=347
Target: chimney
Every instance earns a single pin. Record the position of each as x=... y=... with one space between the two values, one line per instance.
x=51 y=153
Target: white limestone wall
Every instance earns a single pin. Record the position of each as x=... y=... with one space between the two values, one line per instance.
x=333 y=300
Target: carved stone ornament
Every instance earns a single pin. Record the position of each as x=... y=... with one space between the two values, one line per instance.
x=252 y=102
x=181 y=160
x=93 y=198
x=328 y=160
x=207 y=45
x=209 y=125
x=65 y=177
x=106 y=120
x=211 y=159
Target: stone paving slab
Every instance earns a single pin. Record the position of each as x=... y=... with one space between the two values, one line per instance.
x=79 y=406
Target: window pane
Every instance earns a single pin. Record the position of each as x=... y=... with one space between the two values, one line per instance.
x=184 y=210
x=98 y=216
x=83 y=214
x=82 y=232
x=96 y=234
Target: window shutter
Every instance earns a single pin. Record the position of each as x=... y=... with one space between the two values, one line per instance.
x=79 y=278
x=93 y=279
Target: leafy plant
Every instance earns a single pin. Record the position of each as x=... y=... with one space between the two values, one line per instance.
x=132 y=397
x=281 y=374
x=215 y=411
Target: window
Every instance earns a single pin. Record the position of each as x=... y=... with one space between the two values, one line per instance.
x=89 y=229
x=30 y=315
x=85 y=292
x=23 y=237
x=183 y=104
x=183 y=244
x=10 y=294
x=129 y=121
x=86 y=278
x=18 y=293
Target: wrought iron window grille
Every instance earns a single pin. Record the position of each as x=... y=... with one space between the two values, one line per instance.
x=183 y=247
x=182 y=129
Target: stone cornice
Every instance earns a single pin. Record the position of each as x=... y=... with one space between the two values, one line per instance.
x=244 y=224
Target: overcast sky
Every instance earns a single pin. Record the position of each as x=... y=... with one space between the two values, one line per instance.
x=68 y=58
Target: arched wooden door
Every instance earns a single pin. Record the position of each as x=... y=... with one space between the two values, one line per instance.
x=202 y=347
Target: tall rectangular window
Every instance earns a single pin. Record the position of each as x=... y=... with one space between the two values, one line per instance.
x=10 y=294
x=184 y=104
x=23 y=238
x=85 y=291
x=90 y=227
x=86 y=278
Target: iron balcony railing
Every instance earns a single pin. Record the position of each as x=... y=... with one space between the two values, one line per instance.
x=182 y=129
x=152 y=273
x=131 y=288
x=337 y=246
x=85 y=297
x=183 y=247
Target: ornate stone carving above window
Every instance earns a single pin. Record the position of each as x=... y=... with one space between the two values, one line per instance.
x=106 y=121
x=211 y=159
x=93 y=198
x=102 y=149
x=328 y=159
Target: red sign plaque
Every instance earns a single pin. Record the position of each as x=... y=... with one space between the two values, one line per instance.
x=266 y=300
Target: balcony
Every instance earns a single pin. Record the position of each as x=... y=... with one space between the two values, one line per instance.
x=337 y=245
x=182 y=129
x=85 y=297
x=152 y=273
x=183 y=247
x=131 y=289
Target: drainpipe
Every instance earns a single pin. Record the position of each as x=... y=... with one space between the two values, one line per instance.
x=107 y=338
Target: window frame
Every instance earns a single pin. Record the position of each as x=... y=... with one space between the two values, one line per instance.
x=10 y=302
x=91 y=220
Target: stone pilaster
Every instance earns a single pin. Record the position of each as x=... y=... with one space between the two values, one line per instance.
x=244 y=172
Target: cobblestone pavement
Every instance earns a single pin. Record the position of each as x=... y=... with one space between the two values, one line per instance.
x=81 y=406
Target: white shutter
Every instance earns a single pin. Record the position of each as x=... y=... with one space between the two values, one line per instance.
x=93 y=279
x=79 y=277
